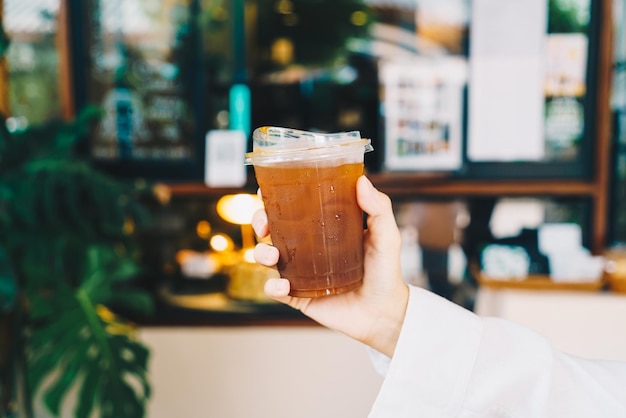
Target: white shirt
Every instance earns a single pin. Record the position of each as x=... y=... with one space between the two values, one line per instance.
x=451 y=363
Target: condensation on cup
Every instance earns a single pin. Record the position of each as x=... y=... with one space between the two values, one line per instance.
x=308 y=184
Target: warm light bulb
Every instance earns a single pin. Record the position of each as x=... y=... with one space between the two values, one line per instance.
x=248 y=255
x=221 y=242
x=203 y=229
x=238 y=208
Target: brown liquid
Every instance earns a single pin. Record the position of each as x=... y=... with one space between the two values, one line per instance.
x=316 y=225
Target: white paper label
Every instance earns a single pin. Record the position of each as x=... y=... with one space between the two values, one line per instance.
x=224 y=161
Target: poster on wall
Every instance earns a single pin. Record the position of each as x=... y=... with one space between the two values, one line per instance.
x=565 y=89
x=507 y=67
x=423 y=111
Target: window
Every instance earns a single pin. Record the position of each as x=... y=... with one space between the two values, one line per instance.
x=32 y=60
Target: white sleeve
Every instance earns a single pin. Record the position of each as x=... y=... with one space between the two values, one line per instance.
x=451 y=363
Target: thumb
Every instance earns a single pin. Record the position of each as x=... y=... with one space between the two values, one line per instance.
x=381 y=221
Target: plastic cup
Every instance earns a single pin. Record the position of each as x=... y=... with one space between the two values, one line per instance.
x=308 y=184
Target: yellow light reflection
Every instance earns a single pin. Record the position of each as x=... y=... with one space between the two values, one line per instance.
x=358 y=18
x=282 y=51
x=238 y=208
x=183 y=255
x=221 y=242
x=203 y=229
x=248 y=255
x=284 y=7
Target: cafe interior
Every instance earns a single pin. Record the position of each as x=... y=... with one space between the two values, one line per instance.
x=498 y=131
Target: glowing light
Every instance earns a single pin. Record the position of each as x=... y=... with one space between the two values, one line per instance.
x=248 y=255
x=203 y=229
x=283 y=7
x=358 y=18
x=15 y=124
x=239 y=208
x=221 y=242
x=282 y=51
x=183 y=255
x=129 y=226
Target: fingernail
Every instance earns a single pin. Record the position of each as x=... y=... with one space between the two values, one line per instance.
x=280 y=286
x=256 y=225
x=368 y=182
x=276 y=288
x=260 y=254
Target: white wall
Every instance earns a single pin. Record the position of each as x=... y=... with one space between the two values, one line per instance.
x=586 y=324
x=265 y=371
x=312 y=372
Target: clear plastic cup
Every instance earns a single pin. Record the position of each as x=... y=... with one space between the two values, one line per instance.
x=308 y=183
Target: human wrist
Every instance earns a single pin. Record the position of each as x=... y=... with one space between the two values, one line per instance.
x=387 y=325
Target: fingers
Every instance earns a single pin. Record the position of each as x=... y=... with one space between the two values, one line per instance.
x=277 y=289
x=370 y=199
x=266 y=254
x=380 y=221
x=377 y=205
x=259 y=223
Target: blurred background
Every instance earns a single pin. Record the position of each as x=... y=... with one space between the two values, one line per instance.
x=499 y=131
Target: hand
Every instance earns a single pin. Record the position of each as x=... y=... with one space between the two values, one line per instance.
x=372 y=314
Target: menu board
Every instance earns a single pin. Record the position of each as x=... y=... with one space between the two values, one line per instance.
x=423 y=111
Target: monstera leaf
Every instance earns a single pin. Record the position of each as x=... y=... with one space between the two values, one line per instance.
x=68 y=234
x=79 y=342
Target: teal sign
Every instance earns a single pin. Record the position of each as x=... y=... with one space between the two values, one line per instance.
x=239 y=111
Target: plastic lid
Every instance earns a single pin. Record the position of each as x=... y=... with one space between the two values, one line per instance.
x=274 y=144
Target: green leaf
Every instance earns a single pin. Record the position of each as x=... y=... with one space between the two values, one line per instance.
x=49 y=201
x=88 y=394
x=49 y=347
x=74 y=205
x=133 y=300
x=61 y=224
x=35 y=263
x=85 y=120
x=136 y=360
x=70 y=371
x=26 y=194
x=47 y=336
x=121 y=401
x=8 y=282
x=104 y=267
x=105 y=362
x=5 y=140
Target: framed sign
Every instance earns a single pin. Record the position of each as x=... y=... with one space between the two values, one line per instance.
x=423 y=111
x=489 y=86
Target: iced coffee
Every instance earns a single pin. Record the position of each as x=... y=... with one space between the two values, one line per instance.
x=308 y=184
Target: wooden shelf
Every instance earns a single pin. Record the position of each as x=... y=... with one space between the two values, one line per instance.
x=537 y=282
x=415 y=185
x=202 y=190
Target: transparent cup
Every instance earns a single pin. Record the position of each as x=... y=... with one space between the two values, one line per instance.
x=308 y=184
